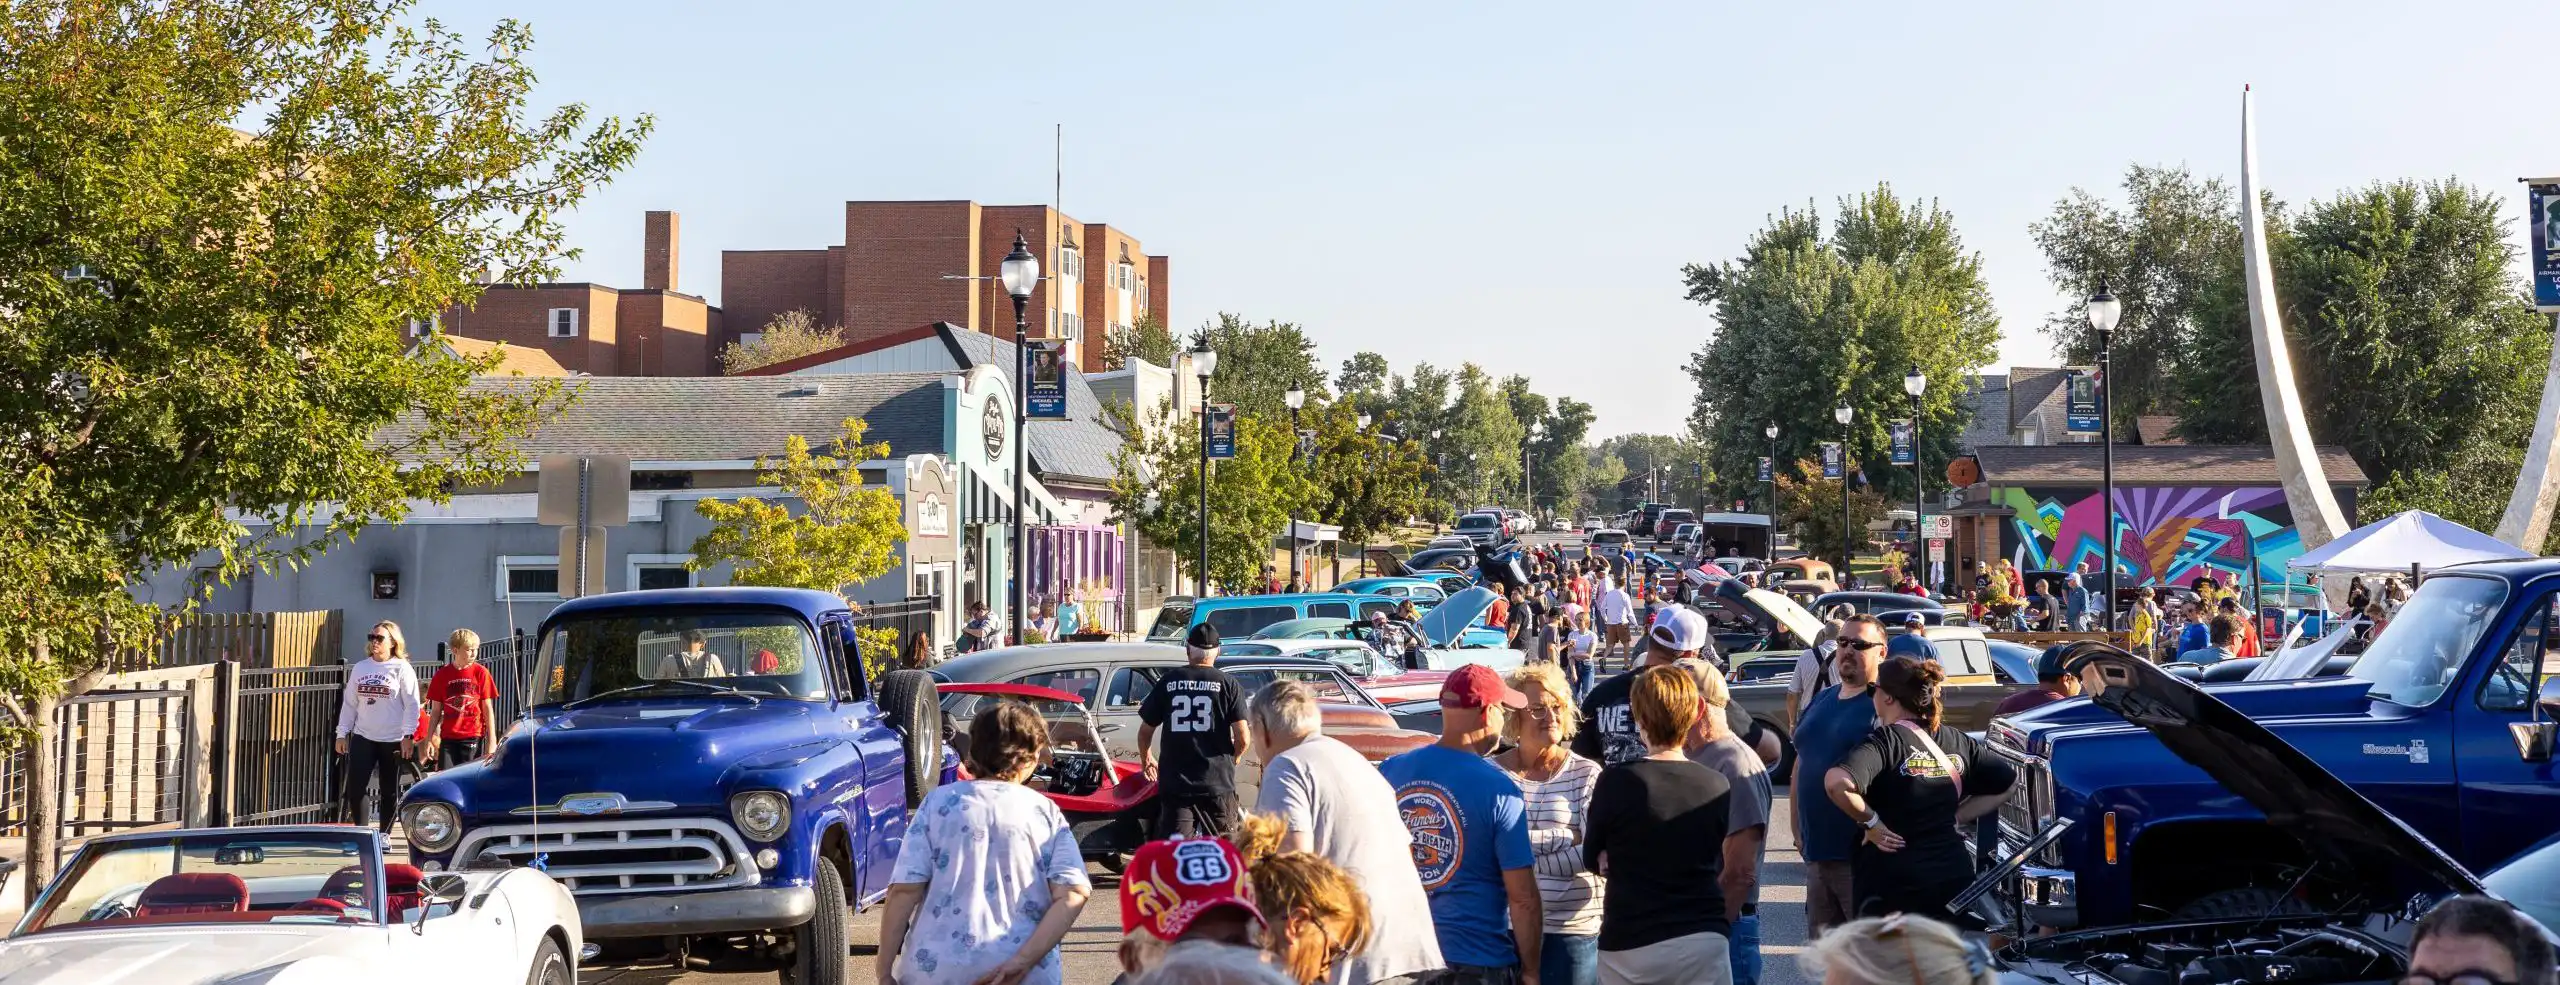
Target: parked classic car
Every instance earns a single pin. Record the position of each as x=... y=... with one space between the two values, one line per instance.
x=290 y=903
x=1375 y=674
x=2365 y=877
x=1817 y=572
x=2425 y=724
x=1424 y=592
x=1115 y=678
x=707 y=765
x=1887 y=606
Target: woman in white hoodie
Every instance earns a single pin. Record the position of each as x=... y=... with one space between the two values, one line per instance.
x=377 y=717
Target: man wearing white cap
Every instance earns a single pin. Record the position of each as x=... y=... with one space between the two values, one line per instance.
x=1609 y=735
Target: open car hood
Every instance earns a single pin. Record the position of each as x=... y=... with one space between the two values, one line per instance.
x=1772 y=609
x=1443 y=625
x=1388 y=563
x=2296 y=793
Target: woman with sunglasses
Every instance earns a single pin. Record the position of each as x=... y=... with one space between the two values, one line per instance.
x=1912 y=786
x=377 y=715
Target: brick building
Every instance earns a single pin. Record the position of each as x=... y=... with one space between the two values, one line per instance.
x=653 y=330
x=906 y=264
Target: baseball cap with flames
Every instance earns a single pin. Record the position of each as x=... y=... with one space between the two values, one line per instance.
x=1174 y=882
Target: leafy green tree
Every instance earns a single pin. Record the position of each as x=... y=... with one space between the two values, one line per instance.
x=1559 y=463
x=207 y=323
x=1147 y=341
x=1365 y=376
x=1482 y=442
x=844 y=534
x=2166 y=254
x=1251 y=496
x=2403 y=307
x=788 y=336
x=1810 y=505
x=1361 y=481
x=1806 y=322
x=1257 y=364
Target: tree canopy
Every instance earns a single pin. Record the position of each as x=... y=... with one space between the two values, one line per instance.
x=788 y=336
x=846 y=533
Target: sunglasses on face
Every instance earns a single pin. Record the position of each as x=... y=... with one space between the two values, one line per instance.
x=1859 y=646
x=375 y=638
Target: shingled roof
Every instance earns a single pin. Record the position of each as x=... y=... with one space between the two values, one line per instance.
x=2153 y=465
x=727 y=419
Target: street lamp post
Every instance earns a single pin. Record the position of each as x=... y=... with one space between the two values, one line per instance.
x=1914 y=383
x=1843 y=414
x=1771 y=432
x=1204 y=361
x=1295 y=398
x=2103 y=312
x=1020 y=272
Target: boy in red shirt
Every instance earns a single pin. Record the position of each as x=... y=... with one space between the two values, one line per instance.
x=461 y=702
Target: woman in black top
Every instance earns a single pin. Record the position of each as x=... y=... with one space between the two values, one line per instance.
x=1663 y=817
x=1912 y=784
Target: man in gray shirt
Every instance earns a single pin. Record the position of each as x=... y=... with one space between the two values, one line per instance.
x=1746 y=841
x=1337 y=805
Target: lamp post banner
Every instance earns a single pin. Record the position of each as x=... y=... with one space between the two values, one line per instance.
x=1833 y=464
x=1903 y=453
x=1222 y=430
x=1768 y=469
x=1046 y=400
x=2542 y=216
x=2081 y=407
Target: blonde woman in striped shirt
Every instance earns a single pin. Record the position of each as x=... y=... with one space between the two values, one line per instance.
x=1557 y=786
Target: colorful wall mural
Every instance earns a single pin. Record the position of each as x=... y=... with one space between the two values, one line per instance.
x=2164 y=534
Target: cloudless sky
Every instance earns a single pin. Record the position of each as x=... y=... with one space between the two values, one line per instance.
x=1515 y=185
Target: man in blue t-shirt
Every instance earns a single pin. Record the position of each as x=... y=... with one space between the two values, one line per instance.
x=1914 y=641
x=1835 y=720
x=1471 y=836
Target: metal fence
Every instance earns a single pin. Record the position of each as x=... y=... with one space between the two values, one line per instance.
x=134 y=752
x=908 y=617
x=281 y=757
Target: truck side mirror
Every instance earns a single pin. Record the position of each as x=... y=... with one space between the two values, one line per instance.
x=856 y=685
x=2533 y=739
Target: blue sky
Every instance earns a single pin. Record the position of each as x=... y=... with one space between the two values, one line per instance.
x=1512 y=184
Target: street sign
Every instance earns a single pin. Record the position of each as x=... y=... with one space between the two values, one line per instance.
x=1937 y=550
x=1833 y=464
x=1046 y=399
x=2081 y=407
x=606 y=487
x=2542 y=217
x=1768 y=469
x=1903 y=453
x=1941 y=525
x=1222 y=430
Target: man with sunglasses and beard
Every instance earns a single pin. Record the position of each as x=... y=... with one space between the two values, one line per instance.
x=1835 y=720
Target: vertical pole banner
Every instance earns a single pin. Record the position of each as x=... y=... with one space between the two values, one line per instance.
x=1767 y=469
x=2081 y=406
x=1046 y=399
x=1222 y=430
x=1834 y=465
x=2542 y=216
x=1902 y=443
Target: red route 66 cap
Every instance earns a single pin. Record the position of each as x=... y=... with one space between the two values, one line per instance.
x=1173 y=882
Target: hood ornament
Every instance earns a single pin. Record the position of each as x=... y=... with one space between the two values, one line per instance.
x=592 y=805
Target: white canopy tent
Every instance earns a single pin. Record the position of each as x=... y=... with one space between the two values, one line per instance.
x=2397 y=543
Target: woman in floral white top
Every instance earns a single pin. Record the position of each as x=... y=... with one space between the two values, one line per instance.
x=989 y=879
x=1557 y=786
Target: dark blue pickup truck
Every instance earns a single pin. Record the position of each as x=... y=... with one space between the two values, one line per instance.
x=2444 y=721
x=709 y=767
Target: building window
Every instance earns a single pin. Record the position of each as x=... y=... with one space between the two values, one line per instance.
x=648 y=571
x=528 y=577
x=750 y=338
x=564 y=323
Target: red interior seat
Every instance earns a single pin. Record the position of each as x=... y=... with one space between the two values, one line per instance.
x=401 y=890
x=193 y=892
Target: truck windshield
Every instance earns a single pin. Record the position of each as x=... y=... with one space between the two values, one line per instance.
x=758 y=652
x=2420 y=652
x=1474 y=520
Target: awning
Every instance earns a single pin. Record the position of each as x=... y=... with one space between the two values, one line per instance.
x=2416 y=538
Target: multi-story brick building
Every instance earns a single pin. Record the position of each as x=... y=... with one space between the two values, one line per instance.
x=910 y=264
x=653 y=330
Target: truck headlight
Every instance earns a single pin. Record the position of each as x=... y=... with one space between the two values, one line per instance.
x=432 y=827
x=762 y=815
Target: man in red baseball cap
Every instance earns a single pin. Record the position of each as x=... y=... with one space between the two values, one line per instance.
x=1180 y=890
x=1471 y=835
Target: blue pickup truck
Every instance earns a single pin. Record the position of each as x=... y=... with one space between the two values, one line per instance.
x=708 y=767
x=2444 y=721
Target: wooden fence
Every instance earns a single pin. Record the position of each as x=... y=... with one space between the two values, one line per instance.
x=252 y=639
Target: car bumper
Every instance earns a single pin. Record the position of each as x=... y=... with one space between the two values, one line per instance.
x=722 y=912
x=2048 y=898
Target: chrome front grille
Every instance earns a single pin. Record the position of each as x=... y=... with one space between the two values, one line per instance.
x=615 y=856
x=2030 y=803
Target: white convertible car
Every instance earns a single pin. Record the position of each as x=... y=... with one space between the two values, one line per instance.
x=287 y=906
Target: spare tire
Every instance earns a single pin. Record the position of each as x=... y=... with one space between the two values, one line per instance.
x=913 y=705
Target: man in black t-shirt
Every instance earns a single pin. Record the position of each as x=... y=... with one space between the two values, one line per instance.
x=1199 y=710
x=1608 y=732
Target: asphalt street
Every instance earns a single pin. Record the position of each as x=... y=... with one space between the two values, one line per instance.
x=1090 y=948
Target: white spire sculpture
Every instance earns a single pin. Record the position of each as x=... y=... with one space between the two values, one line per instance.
x=2316 y=517
x=2528 y=519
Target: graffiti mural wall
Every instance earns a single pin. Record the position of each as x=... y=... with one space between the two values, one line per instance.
x=2164 y=534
